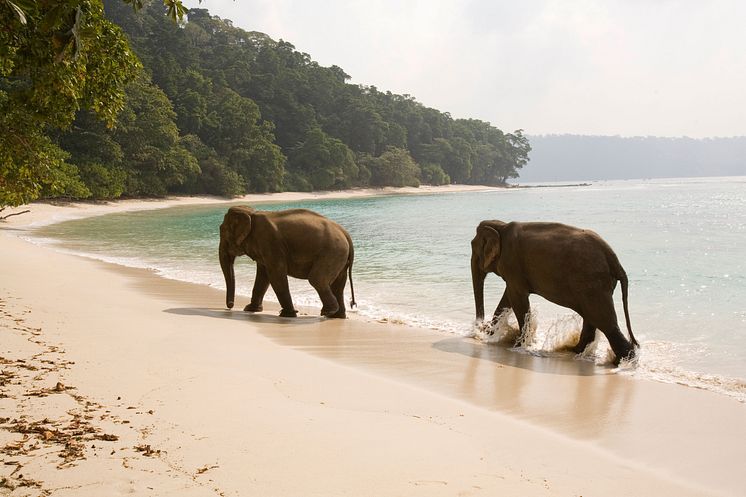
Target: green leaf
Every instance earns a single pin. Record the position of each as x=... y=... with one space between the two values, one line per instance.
x=176 y=9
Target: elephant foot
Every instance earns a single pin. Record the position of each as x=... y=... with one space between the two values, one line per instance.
x=579 y=348
x=338 y=315
x=253 y=308
x=285 y=313
x=330 y=312
x=628 y=355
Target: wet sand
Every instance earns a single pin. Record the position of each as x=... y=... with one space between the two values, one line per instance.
x=117 y=381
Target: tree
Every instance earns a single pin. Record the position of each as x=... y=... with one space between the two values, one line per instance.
x=395 y=167
x=325 y=162
x=55 y=58
x=215 y=178
x=433 y=174
x=96 y=154
x=154 y=158
x=238 y=133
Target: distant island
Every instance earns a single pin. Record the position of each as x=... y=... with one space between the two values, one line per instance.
x=588 y=158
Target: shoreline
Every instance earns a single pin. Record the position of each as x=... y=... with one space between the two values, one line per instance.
x=237 y=404
x=49 y=212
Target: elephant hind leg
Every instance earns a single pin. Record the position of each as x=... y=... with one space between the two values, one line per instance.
x=329 y=302
x=619 y=344
x=338 y=288
x=587 y=336
x=603 y=315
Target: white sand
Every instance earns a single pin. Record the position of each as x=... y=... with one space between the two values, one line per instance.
x=205 y=401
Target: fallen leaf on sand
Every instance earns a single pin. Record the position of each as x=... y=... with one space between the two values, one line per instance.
x=147 y=450
x=206 y=469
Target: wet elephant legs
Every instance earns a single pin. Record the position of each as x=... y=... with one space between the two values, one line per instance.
x=331 y=295
x=518 y=301
x=601 y=314
x=501 y=307
x=587 y=336
x=338 y=287
x=330 y=305
x=261 y=284
x=279 y=282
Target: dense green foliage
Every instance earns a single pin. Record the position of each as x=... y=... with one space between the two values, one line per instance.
x=55 y=57
x=224 y=111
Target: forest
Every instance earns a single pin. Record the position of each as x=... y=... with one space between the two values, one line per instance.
x=149 y=106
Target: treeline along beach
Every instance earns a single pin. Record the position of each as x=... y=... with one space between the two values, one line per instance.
x=220 y=110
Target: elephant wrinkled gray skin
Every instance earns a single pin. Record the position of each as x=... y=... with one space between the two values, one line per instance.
x=296 y=242
x=569 y=266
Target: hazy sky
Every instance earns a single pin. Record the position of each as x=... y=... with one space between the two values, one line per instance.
x=626 y=67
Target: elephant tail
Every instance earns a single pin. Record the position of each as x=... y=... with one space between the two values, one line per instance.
x=350 y=259
x=621 y=275
x=352 y=287
x=625 y=283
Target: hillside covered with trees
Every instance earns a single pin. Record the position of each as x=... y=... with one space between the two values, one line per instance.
x=216 y=109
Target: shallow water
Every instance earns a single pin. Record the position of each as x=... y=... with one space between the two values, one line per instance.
x=681 y=241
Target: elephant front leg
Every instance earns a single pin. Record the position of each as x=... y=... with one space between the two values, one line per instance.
x=501 y=307
x=261 y=284
x=279 y=282
x=519 y=303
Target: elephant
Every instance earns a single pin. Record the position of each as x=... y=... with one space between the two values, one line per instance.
x=569 y=266
x=295 y=242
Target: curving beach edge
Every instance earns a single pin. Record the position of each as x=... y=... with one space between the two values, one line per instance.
x=114 y=381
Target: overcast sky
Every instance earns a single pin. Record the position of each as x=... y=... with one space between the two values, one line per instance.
x=610 y=67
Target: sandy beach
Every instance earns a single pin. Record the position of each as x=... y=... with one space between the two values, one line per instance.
x=114 y=381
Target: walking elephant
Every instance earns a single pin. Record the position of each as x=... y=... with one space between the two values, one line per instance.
x=296 y=242
x=569 y=266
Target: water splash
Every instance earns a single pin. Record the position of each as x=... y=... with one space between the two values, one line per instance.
x=557 y=339
x=502 y=330
x=561 y=335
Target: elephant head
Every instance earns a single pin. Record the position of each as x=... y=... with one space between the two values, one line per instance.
x=485 y=252
x=234 y=233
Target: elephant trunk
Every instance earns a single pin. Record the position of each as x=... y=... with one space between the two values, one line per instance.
x=477 y=281
x=226 y=264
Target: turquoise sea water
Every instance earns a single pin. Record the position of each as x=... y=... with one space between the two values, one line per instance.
x=681 y=241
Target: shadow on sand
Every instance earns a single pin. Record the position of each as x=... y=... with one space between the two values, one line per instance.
x=243 y=316
x=560 y=363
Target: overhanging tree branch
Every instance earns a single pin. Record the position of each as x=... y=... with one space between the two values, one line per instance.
x=3 y=218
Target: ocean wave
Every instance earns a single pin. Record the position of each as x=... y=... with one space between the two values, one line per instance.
x=660 y=361
x=655 y=360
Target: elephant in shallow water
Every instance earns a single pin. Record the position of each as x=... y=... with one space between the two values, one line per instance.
x=296 y=242
x=569 y=266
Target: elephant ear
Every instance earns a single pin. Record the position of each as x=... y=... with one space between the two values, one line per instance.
x=491 y=248
x=240 y=224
